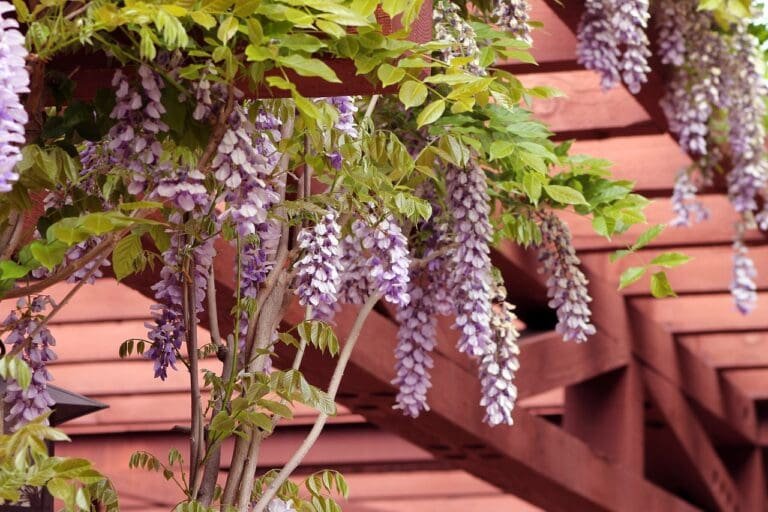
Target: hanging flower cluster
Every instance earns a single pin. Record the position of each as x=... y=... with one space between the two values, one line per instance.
x=389 y=259
x=566 y=284
x=415 y=341
x=356 y=284
x=688 y=210
x=743 y=286
x=14 y=80
x=499 y=364
x=468 y=204
x=513 y=16
x=612 y=41
x=318 y=271
x=452 y=29
x=23 y=322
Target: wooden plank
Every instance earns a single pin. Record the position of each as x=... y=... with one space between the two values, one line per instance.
x=694 y=440
x=650 y=161
x=717 y=231
x=699 y=314
x=712 y=262
x=584 y=105
x=729 y=351
x=607 y=413
x=656 y=347
x=753 y=382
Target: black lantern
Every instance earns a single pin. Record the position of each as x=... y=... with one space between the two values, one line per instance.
x=68 y=406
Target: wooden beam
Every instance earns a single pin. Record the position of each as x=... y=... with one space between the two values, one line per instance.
x=650 y=161
x=607 y=413
x=694 y=440
x=656 y=348
x=584 y=105
x=729 y=351
x=700 y=314
x=712 y=262
x=753 y=382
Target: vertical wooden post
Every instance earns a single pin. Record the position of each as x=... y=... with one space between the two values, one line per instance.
x=607 y=413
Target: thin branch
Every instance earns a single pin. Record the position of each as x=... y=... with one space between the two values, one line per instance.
x=371 y=106
x=213 y=310
x=63 y=302
x=12 y=235
x=333 y=388
x=105 y=245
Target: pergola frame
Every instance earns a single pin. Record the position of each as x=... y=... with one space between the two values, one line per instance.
x=597 y=458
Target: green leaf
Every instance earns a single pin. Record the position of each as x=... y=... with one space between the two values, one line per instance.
x=227 y=29
x=49 y=255
x=276 y=408
x=308 y=67
x=670 y=259
x=412 y=93
x=431 y=113
x=203 y=19
x=565 y=195
x=257 y=53
x=500 y=149
x=660 y=287
x=648 y=236
x=12 y=270
x=389 y=74
x=127 y=256
x=631 y=275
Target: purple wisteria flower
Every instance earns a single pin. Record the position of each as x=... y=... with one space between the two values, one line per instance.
x=499 y=364
x=630 y=21
x=743 y=286
x=453 y=30
x=389 y=261
x=167 y=330
x=14 y=80
x=566 y=284
x=597 y=47
x=133 y=139
x=512 y=16
x=687 y=209
x=318 y=271
x=415 y=341
x=27 y=404
x=356 y=284
x=184 y=187
x=612 y=40
x=468 y=204
x=744 y=91
x=347 y=108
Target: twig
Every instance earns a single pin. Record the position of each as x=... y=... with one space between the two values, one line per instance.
x=333 y=388
x=12 y=235
x=189 y=302
x=213 y=312
x=105 y=245
x=371 y=106
x=63 y=302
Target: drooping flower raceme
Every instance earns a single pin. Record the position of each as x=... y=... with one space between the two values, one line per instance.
x=512 y=16
x=630 y=21
x=133 y=139
x=688 y=210
x=468 y=204
x=743 y=286
x=612 y=40
x=347 y=108
x=452 y=29
x=356 y=284
x=745 y=90
x=566 y=284
x=415 y=341
x=14 y=80
x=499 y=364
x=25 y=405
x=597 y=47
x=318 y=271
x=389 y=260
